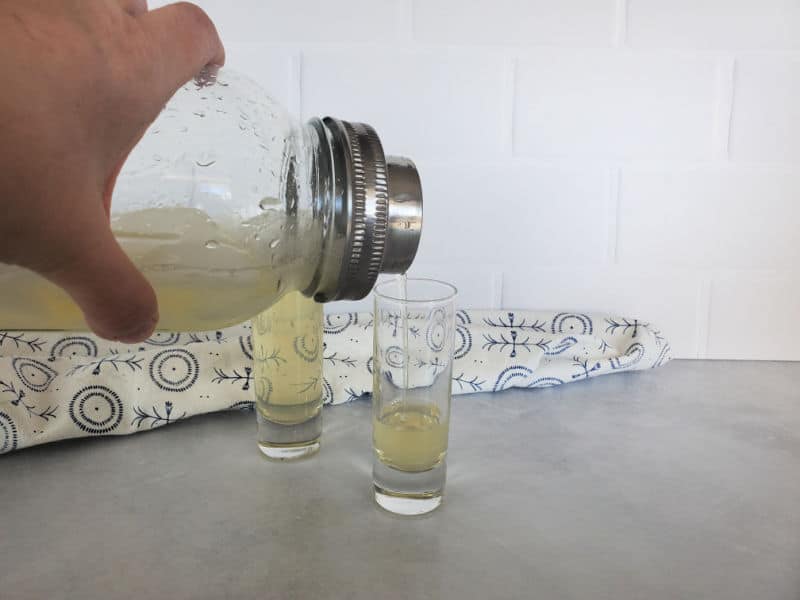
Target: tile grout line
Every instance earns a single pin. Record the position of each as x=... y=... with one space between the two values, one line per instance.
x=734 y=71
x=510 y=119
x=496 y=282
x=620 y=35
x=405 y=25
x=614 y=202
x=723 y=110
x=297 y=84
x=502 y=290
x=703 y=316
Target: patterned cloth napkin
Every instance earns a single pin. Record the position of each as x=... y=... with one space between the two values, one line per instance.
x=56 y=386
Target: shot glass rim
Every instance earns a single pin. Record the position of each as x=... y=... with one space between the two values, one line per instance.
x=451 y=295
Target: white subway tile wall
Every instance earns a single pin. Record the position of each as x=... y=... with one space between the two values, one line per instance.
x=542 y=215
x=430 y=104
x=640 y=157
x=301 y=21
x=765 y=124
x=755 y=315
x=559 y=22
x=614 y=105
x=710 y=217
x=714 y=24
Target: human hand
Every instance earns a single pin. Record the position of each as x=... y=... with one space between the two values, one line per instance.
x=84 y=80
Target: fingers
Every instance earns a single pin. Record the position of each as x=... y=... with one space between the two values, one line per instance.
x=185 y=40
x=118 y=303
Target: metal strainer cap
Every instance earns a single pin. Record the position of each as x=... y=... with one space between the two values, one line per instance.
x=382 y=206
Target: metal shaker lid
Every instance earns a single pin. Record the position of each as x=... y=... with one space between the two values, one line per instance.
x=381 y=210
x=404 y=215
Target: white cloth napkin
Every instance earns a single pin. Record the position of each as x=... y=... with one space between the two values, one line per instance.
x=56 y=386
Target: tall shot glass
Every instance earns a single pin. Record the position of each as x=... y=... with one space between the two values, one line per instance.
x=412 y=368
x=287 y=355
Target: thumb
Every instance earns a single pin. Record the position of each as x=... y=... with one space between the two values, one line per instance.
x=117 y=301
x=187 y=41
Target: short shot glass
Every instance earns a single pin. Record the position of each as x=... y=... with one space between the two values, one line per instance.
x=412 y=370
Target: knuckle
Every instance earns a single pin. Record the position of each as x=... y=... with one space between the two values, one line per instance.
x=196 y=17
x=201 y=27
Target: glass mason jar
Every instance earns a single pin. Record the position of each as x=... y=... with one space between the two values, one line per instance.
x=287 y=355
x=227 y=204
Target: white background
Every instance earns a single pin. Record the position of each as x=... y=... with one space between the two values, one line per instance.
x=632 y=156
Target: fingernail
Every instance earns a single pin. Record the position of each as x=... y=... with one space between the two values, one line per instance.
x=140 y=333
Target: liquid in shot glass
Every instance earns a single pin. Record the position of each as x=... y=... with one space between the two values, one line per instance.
x=287 y=356
x=412 y=368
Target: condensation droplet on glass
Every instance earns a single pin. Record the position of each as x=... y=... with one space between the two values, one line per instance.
x=200 y=114
x=157 y=157
x=254 y=189
x=242 y=126
x=212 y=244
x=206 y=159
x=274 y=243
x=280 y=285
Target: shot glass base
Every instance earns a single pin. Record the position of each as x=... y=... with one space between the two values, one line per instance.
x=289 y=451
x=279 y=441
x=407 y=504
x=406 y=492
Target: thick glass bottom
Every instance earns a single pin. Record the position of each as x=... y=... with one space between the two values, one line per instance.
x=289 y=451
x=406 y=504
x=408 y=492
x=281 y=441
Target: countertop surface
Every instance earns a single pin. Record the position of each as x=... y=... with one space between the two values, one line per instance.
x=682 y=482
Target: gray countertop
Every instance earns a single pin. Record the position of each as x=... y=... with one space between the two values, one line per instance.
x=677 y=483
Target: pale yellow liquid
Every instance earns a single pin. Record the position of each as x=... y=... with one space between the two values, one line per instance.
x=207 y=274
x=410 y=437
x=287 y=343
x=409 y=434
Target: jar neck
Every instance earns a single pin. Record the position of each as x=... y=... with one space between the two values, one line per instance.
x=328 y=199
x=368 y=208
